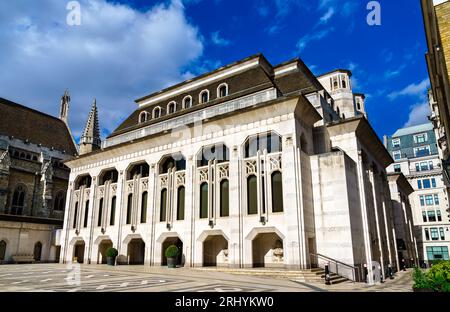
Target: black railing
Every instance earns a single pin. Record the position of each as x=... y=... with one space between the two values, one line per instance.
x=335 y=266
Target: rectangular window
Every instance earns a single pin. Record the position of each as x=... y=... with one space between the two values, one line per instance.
x=417 y=167
x=422 y=200
x=433 y=182
x=397 y=155
x=427 y=234
x=419 y=184
x=395 y=142
x=397 y=168
x=420 y=138
x=429 y=200
x=424 y=216
x=421 y=151
x=430 y=165
x=431 y=216
x=437 y=253
x=442 y=233
x=434 y=234
x=439 y=217
x=426 y=183
x=436 y=199
x=423 y=166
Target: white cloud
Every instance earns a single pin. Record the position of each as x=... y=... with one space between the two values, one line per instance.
x=117 y=54
x=419 y=90
x=217 y=40
x=326 y=17
x=394 y=72
x=418 y=114
x=306 y=39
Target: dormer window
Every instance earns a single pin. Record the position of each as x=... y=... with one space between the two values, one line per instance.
x=157 y=112
x=171 y=107
x=187 y=102
x=143 y=117
x=204 y=96
x=222 y=90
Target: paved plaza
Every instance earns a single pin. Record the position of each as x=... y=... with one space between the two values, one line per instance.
x=102 y=278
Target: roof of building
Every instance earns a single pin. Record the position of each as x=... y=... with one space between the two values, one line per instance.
x=413 y=130
x=25 y=123
x=338 y=70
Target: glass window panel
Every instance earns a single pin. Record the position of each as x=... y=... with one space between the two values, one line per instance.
x=252 y=197
x=433 y=182
x=204 y=200
x=86 y=214
x=180 y=203
x=427 y=234
x=277 y=192
x=144 y=207
x=100 y=212
x=439 y=217
x=224 y=198
x=442 y=233
x=431 y=216
x=424 y=216
x=422 y=200
x=163 y=204
x=129 y=208
x=434 y=234
x=113 y=211
x=436 y=199
x=419 y=184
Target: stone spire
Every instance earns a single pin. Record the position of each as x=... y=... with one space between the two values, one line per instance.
x=64 y=110
x=90 y=139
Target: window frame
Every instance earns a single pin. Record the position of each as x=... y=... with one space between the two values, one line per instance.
x=219 y=87
x=183 y=102
x=396 y=142
x=200 y=100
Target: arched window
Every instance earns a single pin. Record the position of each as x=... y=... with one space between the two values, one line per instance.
x=109 y=175
x=2 y=250
x=58 y=204
x=217 y=152
x=163 y=206
x=265 y=141
x=28 y=157
x=18 y=201
x=86 y=214
x=335 y=84
x=222 y=90
x=141 y=169
x=204 y=200
x=358 y=105
x=180 y=203
x=176 y=161
x=252 y=195
x=37 y=251
x=100 y=212
x=344 y=83
x=113 y=211
x=156 y=112
x=144 y=207
x=277 y=192
x=187 y=102
x=35 y=158
x=129 y=207
x=143 y=116
x=224 y=198
x=22 y=155
x=171 y=107
x=204 y=96
x=75 y=216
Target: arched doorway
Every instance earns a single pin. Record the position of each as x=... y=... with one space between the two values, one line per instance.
x=37 y=251
x=215 y=250
x=267 y=250
x=102 y=248
x=78 y=252
x=136 y=251
x=172 y=241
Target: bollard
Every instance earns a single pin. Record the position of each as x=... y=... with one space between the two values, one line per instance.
x=327 y=275
x=390 y=272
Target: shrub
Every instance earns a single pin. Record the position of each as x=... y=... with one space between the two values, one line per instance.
x=172 y=251
x=111 y=252
x=437 y=278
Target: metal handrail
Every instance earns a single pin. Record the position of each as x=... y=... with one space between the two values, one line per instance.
x=354 y=269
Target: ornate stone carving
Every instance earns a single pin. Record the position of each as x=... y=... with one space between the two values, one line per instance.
x=278 y=254
x=250 y=166
x=130 y=186
x=114 y=188
x=223 y=171
x=275 y=162
x=203 y=175
x=144 y=184
x=101 y=191
x=180 y=178
x=163 y=181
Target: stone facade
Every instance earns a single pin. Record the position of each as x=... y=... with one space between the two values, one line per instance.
x=252 y=178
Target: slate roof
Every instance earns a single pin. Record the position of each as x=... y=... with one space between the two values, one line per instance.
x=413 y=130
x=28 y=124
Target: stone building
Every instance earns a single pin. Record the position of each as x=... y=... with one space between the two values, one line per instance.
x=415 y=152
x=33 y=179
x=250 y=165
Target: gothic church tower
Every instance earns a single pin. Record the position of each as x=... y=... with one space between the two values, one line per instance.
x=90 y=139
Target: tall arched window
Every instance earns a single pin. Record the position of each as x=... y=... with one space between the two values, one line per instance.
x=86 y=214
x=75 y=216
x=163 y=206
x=2 y=250
x=100 y=212
x=157 y=112
x=277 y=192
x=144 y=207
x=129 y=206
x=224 y=198
x=143 y=117
x=171 y=107
x=204 y=200
x=18 y=201
x=58 y=204
x=37 y=251
x=113 y=211
x=187 y=102
x=252 y=195
x=204 y=96
x=222 y=90
x=180 y=203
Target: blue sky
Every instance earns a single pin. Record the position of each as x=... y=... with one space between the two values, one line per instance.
x=129 y=48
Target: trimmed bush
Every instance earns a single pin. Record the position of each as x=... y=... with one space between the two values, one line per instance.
x=172 y=251
x=111 y=252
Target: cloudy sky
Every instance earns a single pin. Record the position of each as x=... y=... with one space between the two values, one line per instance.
x=125 y=49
